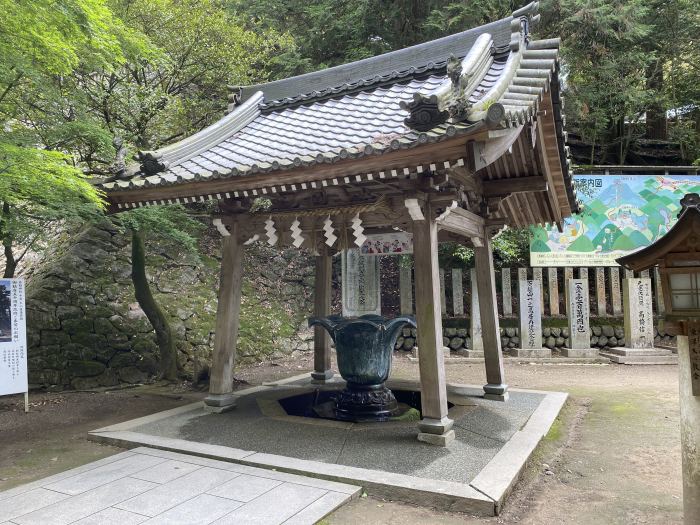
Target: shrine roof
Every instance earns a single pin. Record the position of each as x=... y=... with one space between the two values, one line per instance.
x=682 y=238
x=493 y=76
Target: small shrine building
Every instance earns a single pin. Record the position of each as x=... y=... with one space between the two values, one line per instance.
x=450 y=140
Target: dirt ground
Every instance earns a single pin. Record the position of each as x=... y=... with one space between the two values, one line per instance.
x=613 y=456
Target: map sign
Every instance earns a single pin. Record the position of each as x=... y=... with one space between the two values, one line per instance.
x=620 y=214
x=13 y=337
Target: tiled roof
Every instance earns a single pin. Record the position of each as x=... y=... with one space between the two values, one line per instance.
x=365 y=108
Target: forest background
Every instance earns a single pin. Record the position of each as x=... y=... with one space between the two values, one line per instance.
x=86 y=84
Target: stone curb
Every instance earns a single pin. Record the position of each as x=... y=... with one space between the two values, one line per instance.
x=498 y=477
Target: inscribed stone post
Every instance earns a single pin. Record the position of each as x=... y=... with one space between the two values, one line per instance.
x=600 y=291
x=406 y=284
x=579 y=321
x=361 y=288
x=614 y=278
x=583 y=273
x=507 y=297
x=568 y=275
x=537 y=275
x=639 y=322
x=475 y=317
x=457 y=292
x=639 y=327
x=553 y=284
x=530 y=320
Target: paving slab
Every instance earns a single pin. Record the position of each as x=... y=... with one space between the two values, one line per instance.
x=30 y=501
x=171 y=488
x=200 y=510
x=112 y=516
x=267 y=510
x=102 y=475
x=81 y=506
x=170 y=494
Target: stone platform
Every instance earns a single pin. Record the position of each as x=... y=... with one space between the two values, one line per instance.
x=641 y=356
x=474 y=473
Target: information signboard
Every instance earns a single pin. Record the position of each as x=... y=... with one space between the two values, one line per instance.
x=13 y=337
x=620 y=214
x=394 y=243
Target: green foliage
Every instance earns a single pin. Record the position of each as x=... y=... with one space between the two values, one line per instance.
x=510 y=248
x=38 y=187
x=173 y=224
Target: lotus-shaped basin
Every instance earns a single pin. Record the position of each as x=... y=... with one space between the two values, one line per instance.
x=364 y=346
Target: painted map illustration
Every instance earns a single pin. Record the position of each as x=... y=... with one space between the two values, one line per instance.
x=621 y=213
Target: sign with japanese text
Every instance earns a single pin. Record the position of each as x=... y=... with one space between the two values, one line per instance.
x=619 y=215
x=13 y=337
x=395 y=243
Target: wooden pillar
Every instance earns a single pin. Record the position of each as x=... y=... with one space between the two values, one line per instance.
x=322 y=307
x=228 y=311
x=495 y=388
x=435 y=427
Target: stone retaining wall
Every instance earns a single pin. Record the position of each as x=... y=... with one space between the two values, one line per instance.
x=86 y=330
x=605 y=336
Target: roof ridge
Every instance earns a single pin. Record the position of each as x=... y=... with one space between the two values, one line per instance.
x=367 y=72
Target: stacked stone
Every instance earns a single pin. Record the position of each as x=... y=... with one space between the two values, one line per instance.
x=85 y=329
x=606 y=336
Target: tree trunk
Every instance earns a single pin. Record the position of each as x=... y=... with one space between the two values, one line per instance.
x=164 y=333
x=6 y=236
x=656 y=125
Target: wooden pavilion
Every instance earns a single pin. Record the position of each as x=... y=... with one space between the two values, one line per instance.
x=452 y=139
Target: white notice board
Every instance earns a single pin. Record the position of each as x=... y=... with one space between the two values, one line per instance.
x=13 y=337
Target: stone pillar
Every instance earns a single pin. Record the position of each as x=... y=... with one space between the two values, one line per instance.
x=507 y=294
x=361 y=287
x=616 y=298
x=457 y=292
x=553 y=284
x=537 y=275
x=496 y=387
x=660 y=307
x=579 y=321
x=568 y=275
x=221 y=398
x=322 y=307
x=689 y=390
x=477 y=347
x=435 y=427
x=530 y=320
x=639 y=320
x=639 y=326
x=600 y=291
x=406 y=284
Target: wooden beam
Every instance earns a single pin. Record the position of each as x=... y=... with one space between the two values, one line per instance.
x=322 y=307
x=461 y=221
x=483 y=153
x=435 y=426
x=495 y=389
x=513 y=185
x=228 y=311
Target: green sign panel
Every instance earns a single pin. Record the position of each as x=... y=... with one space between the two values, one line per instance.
x=620 y=214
